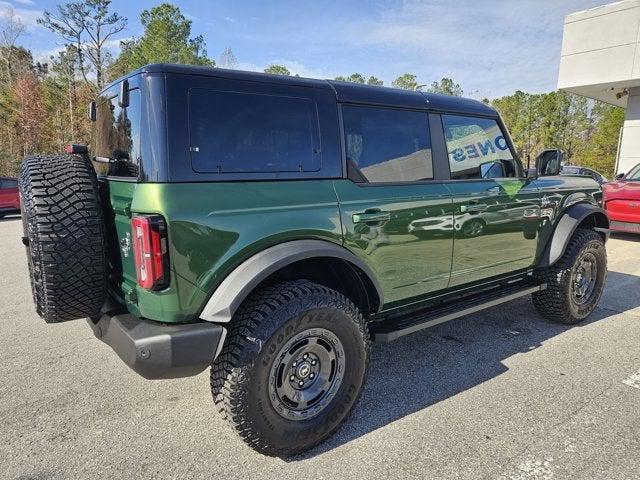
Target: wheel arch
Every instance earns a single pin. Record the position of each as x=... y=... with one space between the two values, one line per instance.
x=580 y=215
x=320 y=261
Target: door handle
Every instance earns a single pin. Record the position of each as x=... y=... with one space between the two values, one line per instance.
x=473 y=208
x=369 y=216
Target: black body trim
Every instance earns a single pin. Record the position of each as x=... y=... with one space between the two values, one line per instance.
x=158 y=351
x=391 y=330
x=9 y=211
x=236 y=286
x=565 y=228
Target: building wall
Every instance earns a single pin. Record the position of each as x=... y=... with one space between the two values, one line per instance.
x=601 y=51
x=629 y=154
x=601 y=59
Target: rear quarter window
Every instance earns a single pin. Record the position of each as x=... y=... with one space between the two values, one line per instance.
x=117 y=133
x=233 y=132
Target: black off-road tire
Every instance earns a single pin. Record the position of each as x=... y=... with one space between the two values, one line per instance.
x=557 y=303
x=64 y=236
x=258 y=331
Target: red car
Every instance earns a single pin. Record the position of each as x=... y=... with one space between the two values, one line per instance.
x=622 y=202
x=9 y=198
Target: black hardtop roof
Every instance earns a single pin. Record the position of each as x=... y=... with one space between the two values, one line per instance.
x=346 y=92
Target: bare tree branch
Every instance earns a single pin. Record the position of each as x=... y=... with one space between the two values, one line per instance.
x=12 y=29
x=86 y=24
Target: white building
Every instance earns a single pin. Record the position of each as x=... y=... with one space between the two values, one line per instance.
x=601 y=59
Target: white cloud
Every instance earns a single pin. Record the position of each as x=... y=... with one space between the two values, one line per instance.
x=486 y=46
x=24 y=2
x=44 y=56
x=114 y=43
x=27 y=16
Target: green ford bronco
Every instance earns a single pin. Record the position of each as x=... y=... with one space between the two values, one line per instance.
x=273 y=227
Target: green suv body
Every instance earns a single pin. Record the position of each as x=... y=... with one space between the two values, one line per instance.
x=279 y=202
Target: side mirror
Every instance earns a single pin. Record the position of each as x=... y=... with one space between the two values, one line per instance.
x=549 y=162
x=620 y=176
x=123 y=98
x=492 y=170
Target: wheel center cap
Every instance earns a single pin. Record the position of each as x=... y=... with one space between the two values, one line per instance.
x=304 y=370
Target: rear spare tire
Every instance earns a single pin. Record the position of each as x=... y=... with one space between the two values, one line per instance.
x=64 y=236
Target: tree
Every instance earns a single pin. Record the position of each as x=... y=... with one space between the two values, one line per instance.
x=228 y=59
x=353 y=78
x=587 y=131
x=564 y=121
x=600 y=151
x=407 y=81
x=520 y=113
x=166 y=39
x=359 y=78
x=277 y=70
x=65 y=69
x=10 y=55
x=446 y=86
x=30 y=114
x=86 y=26
x=19 y=63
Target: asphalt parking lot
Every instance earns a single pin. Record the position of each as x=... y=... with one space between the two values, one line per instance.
x=497 y=395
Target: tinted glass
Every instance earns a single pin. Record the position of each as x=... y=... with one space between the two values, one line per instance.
x=387 y=145
x=117 y=134
x=477 y=146
x=7 y=183
x=244 y=132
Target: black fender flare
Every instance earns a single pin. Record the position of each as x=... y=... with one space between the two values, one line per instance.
x=236 y=286
x=567 y=225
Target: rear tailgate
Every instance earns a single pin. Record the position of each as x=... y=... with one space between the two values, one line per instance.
x=177 y=301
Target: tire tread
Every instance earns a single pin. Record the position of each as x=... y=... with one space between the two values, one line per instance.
x=63 y=222
x=551 y=303
x=230 y=373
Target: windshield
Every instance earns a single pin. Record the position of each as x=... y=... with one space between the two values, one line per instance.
x=634 y=174
x=117 y=133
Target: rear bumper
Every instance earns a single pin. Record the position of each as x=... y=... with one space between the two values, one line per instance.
x=9 y=210
x=629 y=227
x=156 y=350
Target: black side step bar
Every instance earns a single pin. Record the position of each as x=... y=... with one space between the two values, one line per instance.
x=387 y=331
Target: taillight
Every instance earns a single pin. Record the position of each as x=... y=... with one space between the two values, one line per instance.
x=150 y=251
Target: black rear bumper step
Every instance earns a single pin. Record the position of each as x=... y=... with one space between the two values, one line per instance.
x=156 y=350
x=390 y=330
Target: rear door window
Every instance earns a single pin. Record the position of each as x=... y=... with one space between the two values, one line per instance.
x=477 y=148
x=388 y=145
x=232 y=132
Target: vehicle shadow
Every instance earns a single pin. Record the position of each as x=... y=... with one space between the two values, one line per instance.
x=9 y=218
x=422 y=369
x=630 y=237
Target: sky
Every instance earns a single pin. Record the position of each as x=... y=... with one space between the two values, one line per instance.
x=490 y=47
